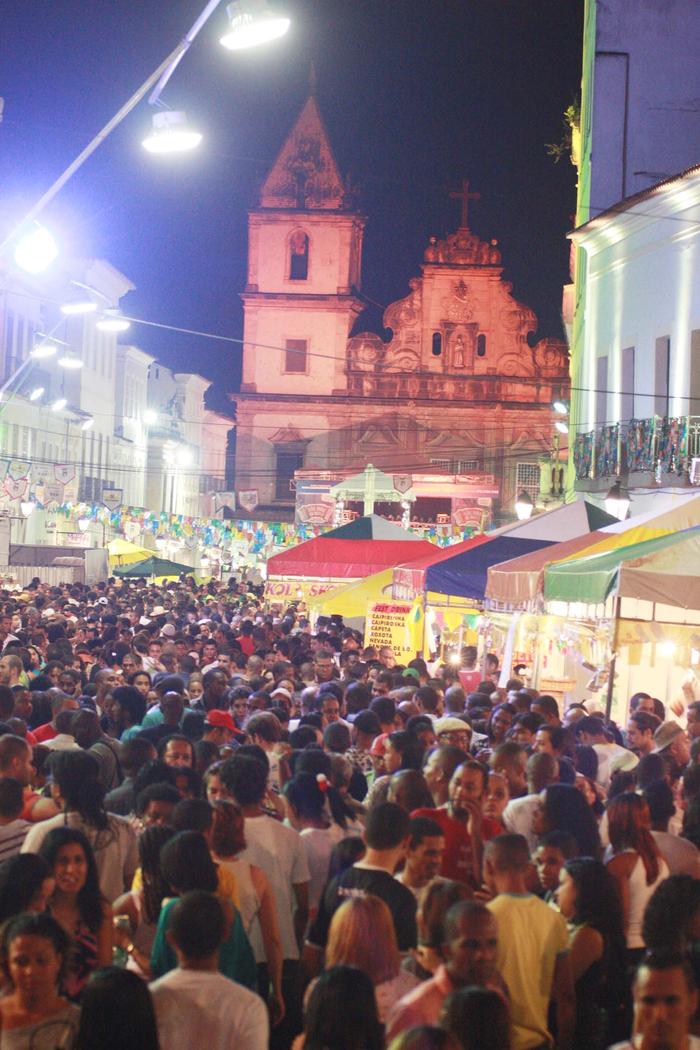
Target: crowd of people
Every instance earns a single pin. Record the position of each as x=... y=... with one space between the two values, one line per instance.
x=228 y=829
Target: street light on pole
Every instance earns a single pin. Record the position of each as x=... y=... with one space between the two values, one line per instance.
x=46 y=347
x=252 y=23
x=83 y=300
x=113 y=321
x=36 y=251
x=171 y=133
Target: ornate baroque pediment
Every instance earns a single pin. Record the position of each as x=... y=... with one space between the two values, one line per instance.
x=462 y=247
x=482 y=330
x=287 y=435
x=460 y=306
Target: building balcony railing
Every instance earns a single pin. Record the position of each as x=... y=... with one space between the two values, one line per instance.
x=660 y=445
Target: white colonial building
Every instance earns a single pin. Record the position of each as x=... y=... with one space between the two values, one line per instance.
x=97 y=421
x=629 y=308
x=639 y=396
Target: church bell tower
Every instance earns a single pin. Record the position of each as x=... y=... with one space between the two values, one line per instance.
x=304 y=263
x=300 y=303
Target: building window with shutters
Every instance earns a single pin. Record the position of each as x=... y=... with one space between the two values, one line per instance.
x=298 y=256
x=296 y=355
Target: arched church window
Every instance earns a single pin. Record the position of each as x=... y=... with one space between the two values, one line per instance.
x=437 y=344
x=298 y=256
x=481 y=345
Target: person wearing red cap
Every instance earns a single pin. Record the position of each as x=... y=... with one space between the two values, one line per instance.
x=220 y=729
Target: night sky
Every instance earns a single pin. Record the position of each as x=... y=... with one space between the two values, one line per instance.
x=415 y=95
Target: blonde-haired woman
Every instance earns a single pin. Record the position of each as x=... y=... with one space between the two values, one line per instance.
x=362 y=935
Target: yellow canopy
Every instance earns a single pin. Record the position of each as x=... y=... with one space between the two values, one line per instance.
x=352 y=600
x=686 y=515
x=122 y=552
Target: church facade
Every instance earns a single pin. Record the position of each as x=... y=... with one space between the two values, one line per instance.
x=461 y=393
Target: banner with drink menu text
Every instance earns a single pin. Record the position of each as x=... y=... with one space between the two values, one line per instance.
x=397 y=625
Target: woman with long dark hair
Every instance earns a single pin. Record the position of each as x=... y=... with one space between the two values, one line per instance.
x=79 y=906
x=339 y=807
x=565 y=809
x=341 y=1013
x=116 y=1012
x=77 y=791
x=588 y=899
x=402 y=750
x=141 y=907
x=305 y=796
x=634 y=861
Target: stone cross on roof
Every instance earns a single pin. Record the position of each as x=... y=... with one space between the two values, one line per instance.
x=465 y=196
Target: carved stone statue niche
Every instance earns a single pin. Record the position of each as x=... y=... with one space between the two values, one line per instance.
x=458 y=352
x=461 y=343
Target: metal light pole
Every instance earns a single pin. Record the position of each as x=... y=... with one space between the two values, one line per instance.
x=155 y=83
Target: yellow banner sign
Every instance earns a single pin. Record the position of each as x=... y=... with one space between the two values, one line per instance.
x=394 y=624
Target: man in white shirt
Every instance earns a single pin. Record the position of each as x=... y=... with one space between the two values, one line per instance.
x=196 y=1005
x=591 y=732
x=265 y=731
x=542 y=770
x=5 y=629
x=665 y=1000
x=64 y=739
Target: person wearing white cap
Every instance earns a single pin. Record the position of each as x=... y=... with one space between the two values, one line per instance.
x=283 y=697
x=672 y=741
x=453 y=732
